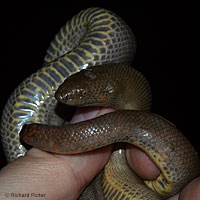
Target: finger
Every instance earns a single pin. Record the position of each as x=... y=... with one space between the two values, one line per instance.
x=176 y=197
x=191 y=191
x=141 y=164
x=86 y=113
x=54 y=176
x=146 y=169
x=138 y=160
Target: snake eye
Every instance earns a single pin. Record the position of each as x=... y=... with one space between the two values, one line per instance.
x=84 y=93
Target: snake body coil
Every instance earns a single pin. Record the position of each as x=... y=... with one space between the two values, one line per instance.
x=96 y=37
x=116 y=85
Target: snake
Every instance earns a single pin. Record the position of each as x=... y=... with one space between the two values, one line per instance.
x=89 y=63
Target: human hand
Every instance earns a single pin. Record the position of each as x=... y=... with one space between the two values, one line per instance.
x=49 y=175
x=53 y=176
x=145 y=168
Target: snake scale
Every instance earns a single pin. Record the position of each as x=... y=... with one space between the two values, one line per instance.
x=96 y=37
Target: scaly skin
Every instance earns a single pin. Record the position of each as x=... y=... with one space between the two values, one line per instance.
x=157 y=137
x=92 y=37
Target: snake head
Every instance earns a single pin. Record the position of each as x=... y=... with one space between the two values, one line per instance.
x=85 y=88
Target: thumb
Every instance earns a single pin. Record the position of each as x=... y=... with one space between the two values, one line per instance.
x=51 y=176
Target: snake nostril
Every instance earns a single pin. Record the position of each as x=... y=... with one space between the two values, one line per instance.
x=66 y=98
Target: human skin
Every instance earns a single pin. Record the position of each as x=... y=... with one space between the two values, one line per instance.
x=56 y=176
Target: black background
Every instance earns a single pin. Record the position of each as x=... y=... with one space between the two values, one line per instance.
x=165 y=51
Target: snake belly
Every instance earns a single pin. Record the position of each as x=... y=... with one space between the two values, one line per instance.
x=133 y=123
x=92 y=37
